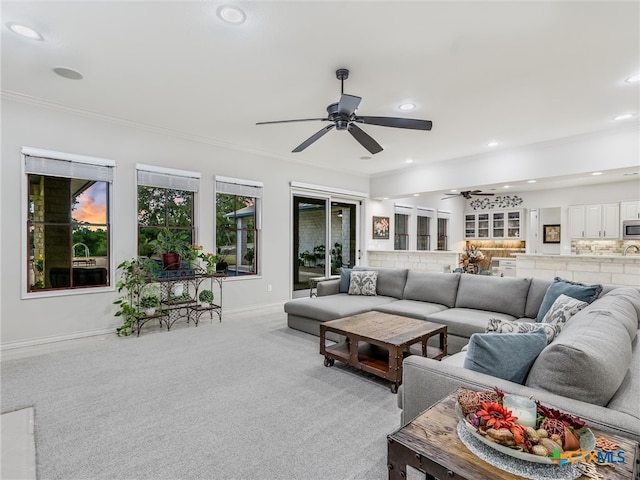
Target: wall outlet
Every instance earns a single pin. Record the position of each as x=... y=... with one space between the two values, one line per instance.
x=269 y=288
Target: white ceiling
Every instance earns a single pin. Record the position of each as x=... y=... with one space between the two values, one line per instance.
x=518 y=72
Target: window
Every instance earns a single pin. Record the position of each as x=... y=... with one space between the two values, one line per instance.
x=238 y=219
x=166 y=200
x=423 y=226
x=67 y=226
x=443 y=229
x=401 y=235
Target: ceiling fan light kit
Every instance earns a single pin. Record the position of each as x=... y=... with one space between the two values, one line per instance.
x=342 y=116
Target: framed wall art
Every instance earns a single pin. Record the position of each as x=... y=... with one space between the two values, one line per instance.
x=551 y=234
x=380 y=228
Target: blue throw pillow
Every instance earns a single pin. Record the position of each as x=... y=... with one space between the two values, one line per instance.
x=345 y=280
x=580 y=291
x=506 y=355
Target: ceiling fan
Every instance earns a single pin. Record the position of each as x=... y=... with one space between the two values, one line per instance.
x=342 y=116
x=467 y=194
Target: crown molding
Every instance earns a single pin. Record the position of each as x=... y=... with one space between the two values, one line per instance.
x=60 y=107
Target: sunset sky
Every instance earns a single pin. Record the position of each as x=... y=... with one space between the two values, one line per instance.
x=92 y=205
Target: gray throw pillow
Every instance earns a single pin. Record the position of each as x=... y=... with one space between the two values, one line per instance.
x=508 y=356
x=363 y=283
x=562 y=310
x=498 y=325
x=585 y=293
x=345 y=280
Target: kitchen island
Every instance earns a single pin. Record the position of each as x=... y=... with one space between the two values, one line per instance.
x=604 y=269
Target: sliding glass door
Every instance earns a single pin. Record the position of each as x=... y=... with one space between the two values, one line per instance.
x=325 y=238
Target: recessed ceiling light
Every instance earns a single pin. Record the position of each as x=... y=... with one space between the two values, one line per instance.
x=596 y=173
x=405 y=107
x=231 y=14
x=409 y=160
x=67 y=72
x=385 y=198
x=634 y=78
x=416 y=194
x=493 y=143
x=365 y=158
x=507 y=186
x=624 y=116
x=24 y=31
x=531 y=181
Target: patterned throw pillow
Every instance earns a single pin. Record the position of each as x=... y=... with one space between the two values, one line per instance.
x=497 y=325
x=363 y=283
x=563 y=309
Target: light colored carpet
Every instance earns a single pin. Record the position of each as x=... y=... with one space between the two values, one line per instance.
x=247 y=398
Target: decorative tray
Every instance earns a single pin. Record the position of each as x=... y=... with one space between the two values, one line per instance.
x=587 y=443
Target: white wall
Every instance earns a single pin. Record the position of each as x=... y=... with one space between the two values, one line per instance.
x=41 y=126
x=609 y=149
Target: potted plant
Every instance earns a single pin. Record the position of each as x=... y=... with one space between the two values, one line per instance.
x=149 y=303
x=205 y=297
x=171 y=247
x=134 y=276
x=249 y=256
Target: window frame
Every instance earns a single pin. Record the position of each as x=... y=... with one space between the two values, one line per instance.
x=168 y=179
x=252 y=187
x=27 y=294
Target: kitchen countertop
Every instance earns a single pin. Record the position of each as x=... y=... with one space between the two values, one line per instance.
x=578 y=257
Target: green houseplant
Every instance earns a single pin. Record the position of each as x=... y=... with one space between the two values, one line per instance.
x=135 y=274
x=171 y=247
x=206 y=297
x=149 y=303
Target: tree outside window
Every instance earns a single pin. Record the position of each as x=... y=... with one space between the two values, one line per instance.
x=160 y=209
x=236 y=232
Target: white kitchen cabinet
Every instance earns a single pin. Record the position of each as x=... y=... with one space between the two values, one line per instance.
x=630 y=210
x=494 y=224
x=596 y=221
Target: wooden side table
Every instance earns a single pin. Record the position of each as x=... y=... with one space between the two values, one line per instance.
x=430 y=444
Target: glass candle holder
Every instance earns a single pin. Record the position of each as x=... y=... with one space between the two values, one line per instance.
x=521 y=407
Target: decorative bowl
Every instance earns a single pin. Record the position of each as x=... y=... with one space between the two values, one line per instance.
x=587 y=443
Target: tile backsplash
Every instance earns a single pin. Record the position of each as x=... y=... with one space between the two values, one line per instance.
x=601 y=247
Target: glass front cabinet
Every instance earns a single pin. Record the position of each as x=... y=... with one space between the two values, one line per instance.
x=499 y=224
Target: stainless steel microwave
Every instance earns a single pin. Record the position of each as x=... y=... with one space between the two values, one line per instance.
x=631 y=229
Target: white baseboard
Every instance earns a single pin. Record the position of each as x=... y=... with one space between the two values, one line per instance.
x=8 y=346
x=56 y=338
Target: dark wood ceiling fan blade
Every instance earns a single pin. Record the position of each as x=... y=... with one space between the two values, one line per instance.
x=365 y=140
x=410 y=123
x=348 y=104
x=290 y=121
x=312 y=139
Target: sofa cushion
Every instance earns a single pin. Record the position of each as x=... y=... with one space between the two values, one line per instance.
x=331 y=307
x=563 y=309
x=391 y=281
x=589 y=359
x=496 y=325
x=535 y=296
x=345 y=279
x=432 y=287
x=411 y=308
x=632 y=296
x=464 y=322
x=586 y=293
x=508 y=356
x=363 y=283
x=495 y=294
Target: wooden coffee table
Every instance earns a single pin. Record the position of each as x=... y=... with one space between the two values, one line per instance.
x=430 y=444
x=377 y=343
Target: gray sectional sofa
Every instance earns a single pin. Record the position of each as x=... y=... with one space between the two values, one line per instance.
x=591 y=369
